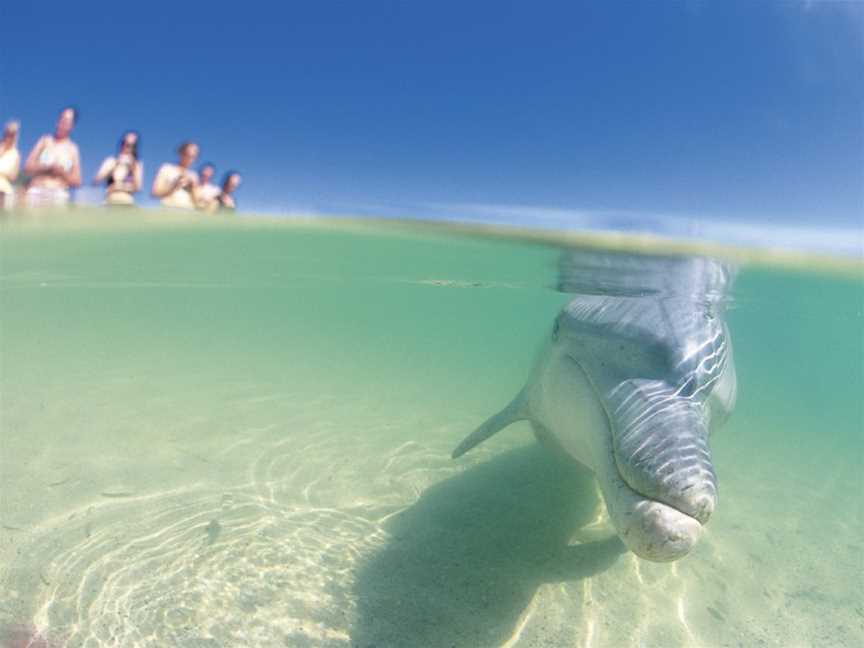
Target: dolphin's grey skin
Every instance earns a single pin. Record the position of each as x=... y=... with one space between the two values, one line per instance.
x=637 y=372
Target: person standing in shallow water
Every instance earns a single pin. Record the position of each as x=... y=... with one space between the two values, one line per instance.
x=54 y=165
x=206 y=192
x=225 y=200
x=175 y=184
x=10 y=162
x=122 y=175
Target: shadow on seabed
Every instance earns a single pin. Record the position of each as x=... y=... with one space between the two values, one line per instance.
x=464 y=562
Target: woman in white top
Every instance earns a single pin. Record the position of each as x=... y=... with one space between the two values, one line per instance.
x=174 y=184
x=206 y=192
x=54 y=165
x=122 y=174
x=10 y=161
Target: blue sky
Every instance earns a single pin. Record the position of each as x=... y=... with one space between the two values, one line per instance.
x=740 y=110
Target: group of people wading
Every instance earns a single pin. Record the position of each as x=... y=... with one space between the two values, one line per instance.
x=53 y=169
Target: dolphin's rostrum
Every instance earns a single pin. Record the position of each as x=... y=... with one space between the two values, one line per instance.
x=637 y=372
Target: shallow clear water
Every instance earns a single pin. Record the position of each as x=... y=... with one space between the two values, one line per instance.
x=239 y=435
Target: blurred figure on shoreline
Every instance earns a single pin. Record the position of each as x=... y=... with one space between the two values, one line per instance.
x=54 y=165
x=175 y=184
x=206 y=192
x=230 y=181
x=122 y=174
x=10 y=162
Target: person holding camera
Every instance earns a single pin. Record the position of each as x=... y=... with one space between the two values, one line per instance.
x=206 y=192
x=54 y=165
x=225 y=199
x=122 y=174
x=175 y=184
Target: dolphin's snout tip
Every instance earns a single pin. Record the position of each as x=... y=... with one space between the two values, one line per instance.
x=677 y=544
x=663 y=534
x=697 y=501
x=702 y=506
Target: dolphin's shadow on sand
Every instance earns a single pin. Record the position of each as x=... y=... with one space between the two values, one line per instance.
x=464 y=562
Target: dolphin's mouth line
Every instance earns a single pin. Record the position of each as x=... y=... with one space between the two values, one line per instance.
x=614 y=463
x=648 y=498
x=653 y=498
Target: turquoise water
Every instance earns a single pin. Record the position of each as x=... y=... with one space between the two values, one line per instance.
x=238 y=434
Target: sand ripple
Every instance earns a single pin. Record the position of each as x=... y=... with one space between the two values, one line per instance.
x=205 y=570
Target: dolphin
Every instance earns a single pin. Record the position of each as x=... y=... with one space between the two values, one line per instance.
x=635 y=375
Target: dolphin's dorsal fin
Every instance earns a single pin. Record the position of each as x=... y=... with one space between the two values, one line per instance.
x=517 y=410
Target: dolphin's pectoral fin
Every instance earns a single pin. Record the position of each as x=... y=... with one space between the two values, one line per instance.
x=515 y=411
